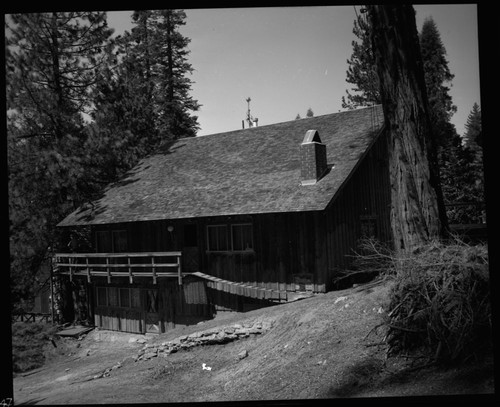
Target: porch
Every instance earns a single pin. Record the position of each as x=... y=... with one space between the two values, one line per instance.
x=152 y=265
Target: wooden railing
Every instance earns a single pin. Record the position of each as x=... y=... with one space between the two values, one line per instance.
x=31 y=317
x=152 y=264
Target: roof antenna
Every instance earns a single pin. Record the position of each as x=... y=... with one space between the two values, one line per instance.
x=252 y=122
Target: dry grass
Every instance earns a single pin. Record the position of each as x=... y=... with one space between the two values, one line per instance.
x=29 y=341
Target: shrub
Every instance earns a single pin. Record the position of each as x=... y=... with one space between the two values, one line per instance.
x=439 y=303
x=28 y=343
x=371 y=259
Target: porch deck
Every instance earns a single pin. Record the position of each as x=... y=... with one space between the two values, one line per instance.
x=153 y=265
x=131 y=265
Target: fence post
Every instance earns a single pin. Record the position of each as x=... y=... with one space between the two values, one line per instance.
x=108 y=270
x=154 y=268
x=88 y=269
x=52 y=290
x=130 y=278
x=179 y=271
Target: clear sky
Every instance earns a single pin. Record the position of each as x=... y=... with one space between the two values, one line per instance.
x=289 y=59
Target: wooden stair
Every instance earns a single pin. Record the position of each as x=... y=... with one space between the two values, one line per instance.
x=241 y=288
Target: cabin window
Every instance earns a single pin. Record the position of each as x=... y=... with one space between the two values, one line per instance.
x=114 y=241
x=119 y=240
x=136 y=297
x=103 y=241
x=224 y=238
x=118 y=297
x=242 y=238
x=102 y=297
x=125 y=297
x=113 y=296
x=217 y=238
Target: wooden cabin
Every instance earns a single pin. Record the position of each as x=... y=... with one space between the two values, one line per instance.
x=233 y=221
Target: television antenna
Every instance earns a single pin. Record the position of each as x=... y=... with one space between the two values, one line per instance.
x=252 y=122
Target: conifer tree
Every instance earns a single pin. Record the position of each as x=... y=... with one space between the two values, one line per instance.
x=467 y=183
x=361 y=69
x=437 y=78
x=51 y=61
x=155 y=59
x=473 y=128
x=142 y=102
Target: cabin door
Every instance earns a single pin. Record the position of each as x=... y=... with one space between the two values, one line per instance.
x=152 y=316
x=190 y=252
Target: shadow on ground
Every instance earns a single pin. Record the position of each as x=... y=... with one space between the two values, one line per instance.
x=360 y=377
x=371 y=374
x=30 y=402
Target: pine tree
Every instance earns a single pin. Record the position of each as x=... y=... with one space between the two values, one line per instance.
x=361 y=69
x=123 y=127
x=309 y=113
x=473 y=128
x=473 y=168
x=51 y=60
x=462 y=181
x=174 y=98
x=437 y=76
x=155 y=59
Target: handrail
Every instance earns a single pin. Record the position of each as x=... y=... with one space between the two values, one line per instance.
x=125 y=255
x=70 y=263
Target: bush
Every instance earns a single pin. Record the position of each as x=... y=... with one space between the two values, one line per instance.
x=28 y=343
x=440 y=302
x=371 y=259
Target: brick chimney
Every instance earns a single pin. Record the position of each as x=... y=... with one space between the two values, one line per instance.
x=312 y=158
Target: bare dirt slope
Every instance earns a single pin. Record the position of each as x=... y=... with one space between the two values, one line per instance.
x=316 y=348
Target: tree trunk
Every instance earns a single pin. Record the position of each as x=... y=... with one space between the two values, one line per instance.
x=56 y=77
x=415 y=188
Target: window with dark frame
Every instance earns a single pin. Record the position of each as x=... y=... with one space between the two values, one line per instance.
x=119 y=240
x=103 y=241
x=102 y=297
x=217 y=238
x=113 y=297
x=118 y=297
x=235 y=237
x=114 y=241
x=124 y=297
x=242 y=238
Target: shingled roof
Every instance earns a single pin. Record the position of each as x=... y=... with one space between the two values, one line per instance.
x=250 y=171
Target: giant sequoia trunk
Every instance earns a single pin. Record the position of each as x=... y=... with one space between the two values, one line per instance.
x=415 y=188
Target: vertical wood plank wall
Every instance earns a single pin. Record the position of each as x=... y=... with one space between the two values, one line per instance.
x=177 y=305
x=367 y=193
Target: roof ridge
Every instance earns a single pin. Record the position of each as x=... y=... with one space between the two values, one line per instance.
x=279 y=123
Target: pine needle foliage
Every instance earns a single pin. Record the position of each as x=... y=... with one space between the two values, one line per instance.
x=440 y=302
x=439 y=305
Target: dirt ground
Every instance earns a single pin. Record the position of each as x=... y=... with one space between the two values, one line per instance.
x=317 y=348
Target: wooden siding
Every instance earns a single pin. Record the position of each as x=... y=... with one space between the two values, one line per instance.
x=177 y=305
x=365 y=194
